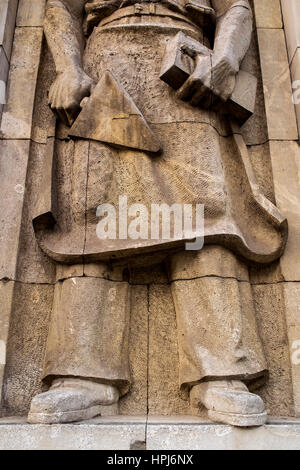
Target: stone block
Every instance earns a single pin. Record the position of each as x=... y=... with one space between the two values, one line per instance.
x=285 y=165
x=158 y=433
x=268 y=14
x=135 y=402
x=292 y=305
x=4 y=66
x=6 y=295
x=8 y=10
x=31 y=13
x=280 y=112
x=13 y=161
x=255 y=129
x=29 y=320
x=163 y=395
x=291 y=13
x=270 y=309
x=17 y=116
x=98 y=434
x=261 y=162
x=295 y=76
x=194 y=434
x=153 y=274
x=33 y=265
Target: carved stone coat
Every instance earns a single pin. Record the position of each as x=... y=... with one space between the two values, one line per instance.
x=200 y=161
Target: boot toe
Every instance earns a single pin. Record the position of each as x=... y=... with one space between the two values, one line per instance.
x=231 y=401
x=58 y=400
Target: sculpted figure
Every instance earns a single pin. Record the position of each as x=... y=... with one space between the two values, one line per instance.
x=124 y=131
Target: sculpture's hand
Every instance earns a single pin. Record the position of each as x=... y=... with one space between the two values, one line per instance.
x=66 y=93
x=197 y=88
x=213 y=78
x=223 y=77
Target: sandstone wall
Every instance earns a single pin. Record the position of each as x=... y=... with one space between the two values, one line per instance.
x=28 y=277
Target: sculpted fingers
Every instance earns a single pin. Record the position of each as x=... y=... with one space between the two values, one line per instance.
x=225 y=88
x=61 y=114
x=188 y=89
x=202 y=97
x=196 y=88
x=67 y=92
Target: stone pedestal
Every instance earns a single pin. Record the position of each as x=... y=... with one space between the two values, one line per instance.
x=148 y=433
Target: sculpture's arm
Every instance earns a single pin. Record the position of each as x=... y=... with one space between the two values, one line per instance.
x=63 y=30
x=232 y=40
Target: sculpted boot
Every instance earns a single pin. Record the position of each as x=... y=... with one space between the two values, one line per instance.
x=71 y=399
x=230 y=402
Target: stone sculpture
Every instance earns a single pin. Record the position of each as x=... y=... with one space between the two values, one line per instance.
x=134 y=130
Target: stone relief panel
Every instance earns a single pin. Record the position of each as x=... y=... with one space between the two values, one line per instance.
x=138 y=326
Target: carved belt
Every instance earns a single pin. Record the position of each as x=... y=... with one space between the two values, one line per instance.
x=147 y=9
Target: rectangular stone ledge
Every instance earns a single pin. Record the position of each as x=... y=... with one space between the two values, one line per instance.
x=31 y=13
x=268 y=14
x=280 y=111
x=113 y=433
x=291 y=13
x=193 y=435
x=8 y=10
x=154 y=433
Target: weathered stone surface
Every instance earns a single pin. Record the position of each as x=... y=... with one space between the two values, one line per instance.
x=178 y=65
x=160 y=433
x=44 y=121
x=8 y=10
x=261 y=162
x=153 y=350
x=29 y=320
x=295 y=77
x=153 y=274
x=31 y=13
x=292 y=311
x=13 y=158
x=209 y=305
x=110 y=115
x=203 y=436
x=229 y=402
x=65 y=271
x=255 y=129
x=88 y=335
x=71 y=399
x=270 y=312
x=268 y=14
x=291 y=12
x=136 y=401
x=266 y=274
x=17 y=117
x=280 y=112
x=104 y=271
x=163 y=382
x=285 y=165
x=70 y=172
x=32 y=264
x=4 y=66
x=98 y=434
x=211 y=261
x=6 y=296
